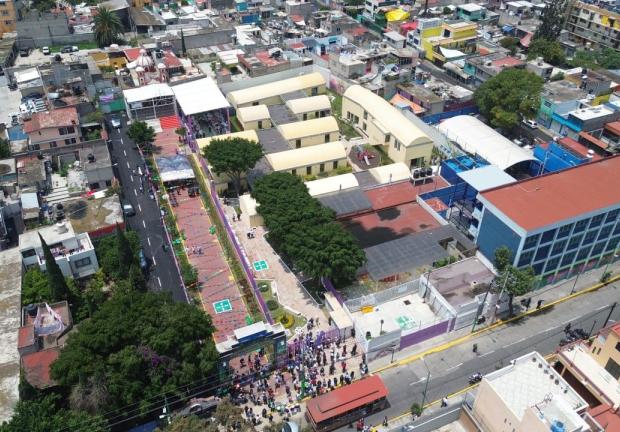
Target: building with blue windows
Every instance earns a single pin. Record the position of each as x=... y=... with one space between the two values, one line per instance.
x=561 y=224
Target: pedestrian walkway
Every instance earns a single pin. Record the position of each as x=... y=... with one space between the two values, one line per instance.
x=219 y=293
x=291 y=294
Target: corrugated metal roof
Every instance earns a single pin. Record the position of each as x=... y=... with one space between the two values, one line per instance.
x=317 y=126
x=264 y=91
x=305 y=156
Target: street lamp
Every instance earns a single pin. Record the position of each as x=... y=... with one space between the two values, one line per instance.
x=575 y=284
x=381 y=328
x=428 y=378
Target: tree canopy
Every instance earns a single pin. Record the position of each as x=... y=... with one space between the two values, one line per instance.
x=233 y=157
x=5 y=148
x=304 y=231
x=57 y=283
x=606 y=58
x=46 y=414
x=516 y=281
x=550 y=50
x=552 y=20
x=136 y=347
x=35 y=287
x=141 y=133
x=108 y=27
x=506 y=97
x=111 y=261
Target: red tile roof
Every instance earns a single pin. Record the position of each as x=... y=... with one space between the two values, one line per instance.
x=267 y=60
x=541 y=201
x=613 y=127
x=593 y=140
x=346 y=398
x=132 y=53
x=577 y=147
x=408 y=26
x=606 y=417
x=52 y=119
x=25 y=336
x=357 y=31
x=37 y=367
x=507 y=62
x=297 y=45
x=171 y=60
x=391 y=195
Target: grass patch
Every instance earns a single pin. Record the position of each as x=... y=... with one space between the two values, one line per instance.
x=385 y=159
x=235 y=126
x=345 y=128
x=280 y=314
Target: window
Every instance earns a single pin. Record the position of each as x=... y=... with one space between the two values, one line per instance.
x=558 y=247
x=552 y=264
x=574 y=242
x=564 y=231
x=548 y=236
x=34 y=147
x=28 y=253
x=305 y=116
x=308 y=170
x=314 y=91
x=605 y=231
x=617 y=229
x=596 y=220
x=581 y=226
x=618 y=346
x=583 y=253
x=82 y=262
x=589 y=238
x=613 y=244
x=613 y=368
x=542 y=252
x=327 y=138
x=335 y=165
x=254 y=103
x=598 y=248
x=5 y=12
x=66 y=130
x=568 y=258
x=297 y=143
x=294 y=171
x=612 y=216
x=538 y=267
x=365 y=115
x=70 y=141
x=322 y=167
x=260 y=124
x=387 y=138
x=526 y=258
x=531 y=241
x=364 y=126
x=52 y=144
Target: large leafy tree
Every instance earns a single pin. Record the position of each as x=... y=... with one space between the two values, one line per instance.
x=126 y=256
x=552 y=20
x=56 y=281
x=304 y=231
x=606 y=58
x=551 y=51
x=233 y=157
x=35 y=287
x=511 y=94
x=46 y=414
x=108 y=254
x=136 y=347
x=108 y=27
x=5 y=148
x=141 y=133
x=503 y=258
x=515 y=281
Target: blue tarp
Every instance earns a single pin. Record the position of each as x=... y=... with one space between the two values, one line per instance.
x=507 y=28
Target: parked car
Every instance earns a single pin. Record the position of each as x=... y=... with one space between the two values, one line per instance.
x=115 y=122
x=66 y=49
x=74 y=48
x=144 y=264
x=128 y=210
x=24 y=52
x=46 y=50
x=530 y=123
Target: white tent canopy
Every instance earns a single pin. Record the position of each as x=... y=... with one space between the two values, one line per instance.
x=199 y=96
x=475 y=137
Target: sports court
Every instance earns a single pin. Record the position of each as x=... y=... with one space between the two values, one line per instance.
x=222 y=306
x=260 y=265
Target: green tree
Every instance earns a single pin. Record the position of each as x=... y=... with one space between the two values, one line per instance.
x=508 y=95
x=186 y=424
x=551 y=51
x=606 y=58
x=57 y=283
x=5 y=148
x=141 y=133
x=503 y=258
x=552 y=20
x=107 y=27
x=126 y=256
x=46 y=414
x=136 y=278
x=233 y=157
x=183 y=48
x=139 y=345
x=35 y=287
x=304 y=231
x=107 y=249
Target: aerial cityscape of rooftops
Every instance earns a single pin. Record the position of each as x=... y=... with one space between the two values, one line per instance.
x=310 y=215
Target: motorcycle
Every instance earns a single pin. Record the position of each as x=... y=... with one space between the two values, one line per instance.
x=475 y=378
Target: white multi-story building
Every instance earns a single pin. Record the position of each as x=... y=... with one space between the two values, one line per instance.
x=74 y=253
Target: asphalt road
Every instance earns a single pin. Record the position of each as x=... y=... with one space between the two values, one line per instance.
x=163 y=274
x=450 y=369
x=528 y=132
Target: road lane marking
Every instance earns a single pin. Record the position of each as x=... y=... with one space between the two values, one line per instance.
x=154 y=262
x=148 y=239
x=143 y=224
x=139 y=208
x=486 y=354
x=122 y=140
x=159 y=281
x=135 y=193
x=124 y=152
x=128 y=166
x=454 y=367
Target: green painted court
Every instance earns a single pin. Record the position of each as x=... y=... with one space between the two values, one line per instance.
x=260 y=265
x=405 y=322
x=222 y=306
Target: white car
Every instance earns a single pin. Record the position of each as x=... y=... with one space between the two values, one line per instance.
x=46 y=50
x=530 y=123
x=74 y=48
x=115 y=122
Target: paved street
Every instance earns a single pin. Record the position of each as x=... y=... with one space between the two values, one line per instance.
x=163 y=275
x=450 y=369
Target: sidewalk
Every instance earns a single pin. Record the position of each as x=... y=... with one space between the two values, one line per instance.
x=547 y=294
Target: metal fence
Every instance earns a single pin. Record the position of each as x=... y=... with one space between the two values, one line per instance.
x=354 y=305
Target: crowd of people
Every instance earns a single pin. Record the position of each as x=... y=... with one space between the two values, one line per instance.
x=316 y=364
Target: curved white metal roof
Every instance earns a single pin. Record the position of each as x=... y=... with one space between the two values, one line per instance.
x=475 y=137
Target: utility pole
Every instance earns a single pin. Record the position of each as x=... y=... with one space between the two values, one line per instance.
x=428 y=378
x=613 y=306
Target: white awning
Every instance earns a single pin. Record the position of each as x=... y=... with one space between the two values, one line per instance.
x=451 y=53
x=199 y=96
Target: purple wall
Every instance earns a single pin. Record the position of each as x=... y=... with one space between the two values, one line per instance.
x=329 y=286
x=248 y=272
x=424 y=334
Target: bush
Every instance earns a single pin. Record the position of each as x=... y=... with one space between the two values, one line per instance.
x=287 y=320
x=605 y=277
x=263 y=286
x=272 y=304
x=416 y=409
